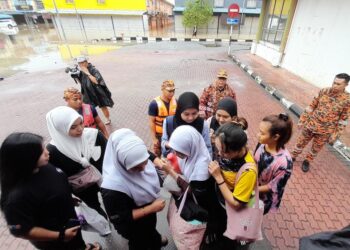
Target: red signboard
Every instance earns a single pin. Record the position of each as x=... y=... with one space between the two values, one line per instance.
x=233 y=10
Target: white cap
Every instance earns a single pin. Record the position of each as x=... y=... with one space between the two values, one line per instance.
x=81 y=59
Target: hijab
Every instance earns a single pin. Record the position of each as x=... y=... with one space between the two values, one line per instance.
x=227 y=104
x=124 y=151
x=188 y=100
x=188 y=141
x=79 y=149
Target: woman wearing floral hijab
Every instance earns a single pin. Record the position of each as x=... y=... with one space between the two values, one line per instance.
x=130 y=191
x=74 y=148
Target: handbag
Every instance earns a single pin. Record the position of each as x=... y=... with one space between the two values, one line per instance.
x=245 y=224
x=92 y=221
x=190 y=210
x=186 y=235
x=86 y=178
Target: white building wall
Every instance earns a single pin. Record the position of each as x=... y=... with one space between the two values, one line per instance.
x=71 y=27
x=318 y=46
x=179 y=28
x=129 y=25
x=100 y=26
x=248 y=30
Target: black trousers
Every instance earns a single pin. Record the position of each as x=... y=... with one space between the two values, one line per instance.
x=90 y=197
x=142 y=233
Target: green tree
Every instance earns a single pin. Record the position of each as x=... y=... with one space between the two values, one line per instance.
x=197 y=13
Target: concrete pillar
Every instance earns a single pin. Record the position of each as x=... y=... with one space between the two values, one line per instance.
x=288 y=25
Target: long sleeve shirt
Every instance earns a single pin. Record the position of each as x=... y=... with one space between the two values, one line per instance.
x=328 y=113
x=210 y=98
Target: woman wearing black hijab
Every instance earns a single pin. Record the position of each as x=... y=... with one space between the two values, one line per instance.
x=226 y=112
x=187 y=113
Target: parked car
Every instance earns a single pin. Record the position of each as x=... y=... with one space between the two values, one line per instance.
x=8 y=26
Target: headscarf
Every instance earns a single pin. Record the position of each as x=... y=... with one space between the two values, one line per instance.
x=124 y=151
x=188 y=141
x=188 y=100
x=79 y=149
x=227 y=104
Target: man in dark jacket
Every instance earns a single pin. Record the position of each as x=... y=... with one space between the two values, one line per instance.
x=94 y=88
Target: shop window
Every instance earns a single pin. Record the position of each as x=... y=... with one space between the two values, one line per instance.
x=276 y=20
x=251 y=4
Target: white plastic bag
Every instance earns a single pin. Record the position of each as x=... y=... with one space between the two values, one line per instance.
x=94 y=221
x=171 y=185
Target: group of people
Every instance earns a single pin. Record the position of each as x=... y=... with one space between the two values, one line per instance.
x=210 y=170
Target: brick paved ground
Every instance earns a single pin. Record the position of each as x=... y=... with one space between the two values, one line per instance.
x=293 y=88
x=313 y=202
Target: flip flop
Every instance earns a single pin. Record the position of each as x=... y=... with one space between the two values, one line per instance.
x=108 y=122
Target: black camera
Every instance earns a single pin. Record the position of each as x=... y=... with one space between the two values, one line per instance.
x=74 y=71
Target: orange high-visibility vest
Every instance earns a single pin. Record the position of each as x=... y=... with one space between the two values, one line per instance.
x=163 y=112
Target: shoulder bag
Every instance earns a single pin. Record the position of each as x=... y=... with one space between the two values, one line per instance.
x=85 y=178
x=245 y=224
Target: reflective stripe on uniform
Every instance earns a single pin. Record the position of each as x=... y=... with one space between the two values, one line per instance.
x=163 y=112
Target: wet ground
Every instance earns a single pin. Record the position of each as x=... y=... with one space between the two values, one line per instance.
x=40 y=50
x=313 y=202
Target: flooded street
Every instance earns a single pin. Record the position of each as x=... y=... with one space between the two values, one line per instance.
x=40 y=50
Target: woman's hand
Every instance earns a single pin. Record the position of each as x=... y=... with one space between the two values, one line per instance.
x=157 y=205
x=214 y=170
x=70 y=233
x=212 y=136
x=161 y=164
x=167 y=167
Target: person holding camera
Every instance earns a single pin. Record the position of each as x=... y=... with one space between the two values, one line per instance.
x=93 y=88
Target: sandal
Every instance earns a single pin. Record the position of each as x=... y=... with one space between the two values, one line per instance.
x=108 y=122
x=95 y=246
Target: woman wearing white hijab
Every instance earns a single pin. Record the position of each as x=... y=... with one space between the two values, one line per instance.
x=130 y=191
x=73 y=148
x=188 y=228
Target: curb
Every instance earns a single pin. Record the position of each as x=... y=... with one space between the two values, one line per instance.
x=143 y=39
x=340 y=147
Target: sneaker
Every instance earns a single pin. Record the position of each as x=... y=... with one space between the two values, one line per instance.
x=305 y=166
x=164 y=241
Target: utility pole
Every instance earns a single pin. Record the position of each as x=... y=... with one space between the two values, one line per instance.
x=81 y=25
x=63 y=33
